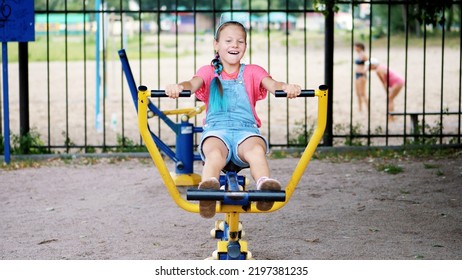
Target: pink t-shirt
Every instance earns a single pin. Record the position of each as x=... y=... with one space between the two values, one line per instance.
x=253 y=75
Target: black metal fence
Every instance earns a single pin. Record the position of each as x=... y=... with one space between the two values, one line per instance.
x=79 y=100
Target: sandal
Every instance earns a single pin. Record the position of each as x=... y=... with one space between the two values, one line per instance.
x=207 y=207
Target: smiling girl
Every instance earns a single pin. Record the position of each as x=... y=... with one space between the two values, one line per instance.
x=230 y=90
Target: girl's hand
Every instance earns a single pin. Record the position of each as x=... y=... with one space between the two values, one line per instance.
x=292 y=90
x=173 y=91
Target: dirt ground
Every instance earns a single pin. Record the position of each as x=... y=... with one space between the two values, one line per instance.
x=114 y=208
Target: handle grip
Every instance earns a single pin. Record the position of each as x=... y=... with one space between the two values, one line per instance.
x=161 y=92
x=303 y=93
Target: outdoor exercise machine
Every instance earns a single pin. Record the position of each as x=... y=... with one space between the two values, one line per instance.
x=233 y=198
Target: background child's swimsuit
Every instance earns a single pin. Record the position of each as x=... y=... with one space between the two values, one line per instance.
x=393 y=79
x=359 y=74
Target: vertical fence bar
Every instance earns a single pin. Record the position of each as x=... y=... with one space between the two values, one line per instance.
x=104 y=43
x=48 y=78
x=23 y=61
x=85 y=140
x=250 y=31
x=176 y=51
x=329 y=72
x=352 y=78
x=406 y=73
x=122 y=91
x=287 y=72
x=305 y=70
x=6 y=111
x=195 y=62
x=371 y=18
x=97 y=65
x=460 y=74
x=443 y=28
x=66 y=65
x=269 y=65
x=1 y=118
x=388 y=72
x=159 y=14
x=424 y=78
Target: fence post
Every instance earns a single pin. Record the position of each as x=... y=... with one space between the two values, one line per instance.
x=329 y=70
x=23 y=62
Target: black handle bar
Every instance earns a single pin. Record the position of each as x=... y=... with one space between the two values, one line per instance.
x=161 y=92
x=304 y=93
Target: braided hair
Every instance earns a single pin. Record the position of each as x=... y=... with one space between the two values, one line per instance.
x=216 y=99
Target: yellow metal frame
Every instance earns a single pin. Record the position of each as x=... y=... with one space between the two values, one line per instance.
x=231 y=211
x=190 y=112
x=143 y=99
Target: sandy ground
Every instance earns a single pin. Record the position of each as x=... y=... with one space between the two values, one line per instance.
x=119 y=209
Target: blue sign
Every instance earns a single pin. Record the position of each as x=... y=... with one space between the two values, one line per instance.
x=17 y=21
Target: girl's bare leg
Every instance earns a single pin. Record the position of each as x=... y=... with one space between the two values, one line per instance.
x=253 y=151
x=394 y=91
x=215 y=152
x=361 y=92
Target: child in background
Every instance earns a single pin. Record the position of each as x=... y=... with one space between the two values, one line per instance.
x=230 y=91
x=391 y=81
x=361 y=75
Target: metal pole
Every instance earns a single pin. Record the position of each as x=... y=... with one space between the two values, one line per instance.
x=23 y=60
x=6 y=111
x=329 y=72
x=98 y=118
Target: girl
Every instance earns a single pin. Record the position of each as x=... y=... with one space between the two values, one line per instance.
x=360 y=75
x=391 y=81
x=230 y=91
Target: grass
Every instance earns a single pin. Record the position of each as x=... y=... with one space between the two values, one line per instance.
x=404 y=152
x=390 y=168
x=431 y=166
x=57 y=48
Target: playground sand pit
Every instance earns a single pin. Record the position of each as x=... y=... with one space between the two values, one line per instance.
x=119 y=209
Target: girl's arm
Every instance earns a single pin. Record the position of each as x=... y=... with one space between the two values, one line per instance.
x=271 y=85
x=173 y=90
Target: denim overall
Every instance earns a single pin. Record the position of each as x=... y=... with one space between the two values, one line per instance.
x=234 y=125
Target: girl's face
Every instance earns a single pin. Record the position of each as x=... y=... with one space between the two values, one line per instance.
x=231 y=44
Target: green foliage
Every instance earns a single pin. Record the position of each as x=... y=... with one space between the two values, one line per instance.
x=431 y=11
x=352 y=134
x=431 y=166
x=432 y=134
x=301 y=133
x=126 y=145
x=29 y=143
x=324 y=5
x=79 y=5
x=67 y=141
x=278 y=154
x=390 y=168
